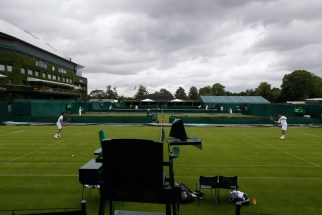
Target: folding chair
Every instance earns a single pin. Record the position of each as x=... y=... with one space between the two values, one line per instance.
x=206 y=182
x=226 y=182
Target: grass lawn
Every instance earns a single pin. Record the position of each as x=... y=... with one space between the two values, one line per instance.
x=38 y=171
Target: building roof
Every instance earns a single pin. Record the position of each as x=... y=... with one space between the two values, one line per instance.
x=234 y=100
x=155 y=97
x=19 y=34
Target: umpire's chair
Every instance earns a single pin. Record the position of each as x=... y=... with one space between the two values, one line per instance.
x=133 y=172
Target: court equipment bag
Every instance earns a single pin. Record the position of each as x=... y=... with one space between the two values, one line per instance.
x=186 y=194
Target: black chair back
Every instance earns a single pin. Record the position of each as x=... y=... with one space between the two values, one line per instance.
x=208 y=180
x=132 y=170
x=228 y=182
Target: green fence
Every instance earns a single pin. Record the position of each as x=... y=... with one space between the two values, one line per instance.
x=243 y=120
x=290 y=110
x=40 y=107
x=78 y=119
x=3 y=111
x=43 y=110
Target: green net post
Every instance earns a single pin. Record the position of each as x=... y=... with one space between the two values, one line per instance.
x=102 y=135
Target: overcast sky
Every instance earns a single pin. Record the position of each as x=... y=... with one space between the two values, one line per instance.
x=177 y=43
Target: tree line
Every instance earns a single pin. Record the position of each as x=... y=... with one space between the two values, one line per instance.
x=296 y=86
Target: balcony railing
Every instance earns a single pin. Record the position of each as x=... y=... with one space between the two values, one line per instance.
x=50 y=90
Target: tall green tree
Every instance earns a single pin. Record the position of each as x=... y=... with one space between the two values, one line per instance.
x=276 y=95
x=97 y=94
x=180 y=93
x=218 y=90
x=193 y=93
x=205 y=91
x=111 y=93
x=141 y=91
x=300 y=85
x=165 y=92
x=264 y=90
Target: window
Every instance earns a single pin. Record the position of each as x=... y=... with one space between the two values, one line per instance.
x=54 y=77
x=2 y=68
x=9 y=68
x=41 y=64
x=61 y=70
x=49 y=76
x=30 y=72
x=44 y=75
x=36 y=73
x=64 y=79
x=58 y=78
x=23 y=71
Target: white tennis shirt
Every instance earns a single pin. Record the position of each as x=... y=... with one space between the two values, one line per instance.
x=282 y=120
x=60 y=119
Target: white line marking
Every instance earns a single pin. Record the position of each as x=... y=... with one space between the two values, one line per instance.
x=312 y=135
x=278 y=149
x=35 y=175
x=253 y=165
x=45 y=147
x=42 y=164
x=15 y=132
x=262 y=177
x=179 y=176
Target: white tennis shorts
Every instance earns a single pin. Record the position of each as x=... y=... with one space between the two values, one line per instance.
x=59 y=126
x=284 y=127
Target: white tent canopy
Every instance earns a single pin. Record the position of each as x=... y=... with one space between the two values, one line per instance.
x=177 y=100
x=147 y=100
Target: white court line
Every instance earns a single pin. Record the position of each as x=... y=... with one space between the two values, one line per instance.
x=15 y=132
x=278 y=149
x=45 y=147
x=260 y=177
x=47 y=164
x=179 y=176
x=183 y=165
x=250 y=165
x=312 y=135
x=37 y=175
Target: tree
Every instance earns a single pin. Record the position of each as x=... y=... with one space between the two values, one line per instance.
x=218 y=90
x=165 y=92
x=276 y=95
x=193 y=93
x=180 y=93
x=248 y=92
x=111 y=94
x=141 y=91
x=300 y=85
x=205 y=91
x=264 y=90
x=97 y=94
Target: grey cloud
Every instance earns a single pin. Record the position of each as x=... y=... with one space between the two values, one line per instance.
x=166 y=43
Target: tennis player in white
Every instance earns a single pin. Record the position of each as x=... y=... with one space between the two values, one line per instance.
x=59 y=124
x=282 y=120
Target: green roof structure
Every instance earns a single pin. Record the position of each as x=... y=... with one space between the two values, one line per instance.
x=234 y=100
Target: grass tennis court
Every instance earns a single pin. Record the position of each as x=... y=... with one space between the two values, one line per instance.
x=38 y=171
